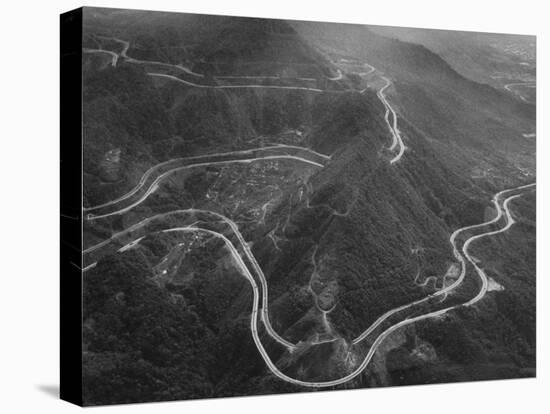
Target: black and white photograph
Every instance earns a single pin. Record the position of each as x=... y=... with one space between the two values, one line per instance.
x=278 y=206
x=247 y=207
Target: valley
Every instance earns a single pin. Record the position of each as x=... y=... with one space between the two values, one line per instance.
x=295 y=213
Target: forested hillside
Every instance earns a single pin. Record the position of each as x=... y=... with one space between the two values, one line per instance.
x=226 y=158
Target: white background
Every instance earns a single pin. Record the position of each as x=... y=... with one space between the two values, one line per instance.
x=29 y=176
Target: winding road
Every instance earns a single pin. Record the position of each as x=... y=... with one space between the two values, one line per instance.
x=502 y=207
x=154 y=175
x=114 y=56
x=205 y=217
x=196 y=85
x=397 y=140
x=124 y=55
x=240 y=249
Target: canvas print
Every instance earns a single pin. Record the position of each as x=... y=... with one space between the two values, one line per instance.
x=276 y=206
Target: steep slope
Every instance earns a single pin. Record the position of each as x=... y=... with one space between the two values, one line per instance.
x=472 y=123
x=339 y=242
x=127 y=111
x=489 y=58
